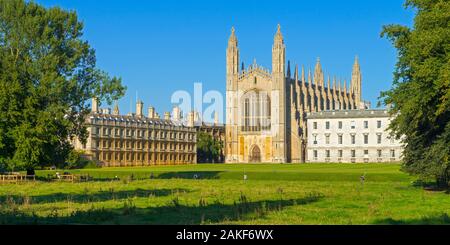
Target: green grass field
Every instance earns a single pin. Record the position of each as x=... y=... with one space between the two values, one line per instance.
x=273 y=194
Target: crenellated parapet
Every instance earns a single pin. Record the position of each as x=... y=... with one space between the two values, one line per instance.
x=253 y=70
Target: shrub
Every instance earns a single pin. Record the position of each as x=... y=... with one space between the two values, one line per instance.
x=77 y=160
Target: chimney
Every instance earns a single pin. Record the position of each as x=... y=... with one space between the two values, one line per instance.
x=176 y=113
x=191 y=119
x=167 y=116
x=106 y=111
x=151 y=112
x=95 y=108
x=139 y=107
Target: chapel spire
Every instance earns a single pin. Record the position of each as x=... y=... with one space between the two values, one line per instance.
x=232 y=59
x=356 y=82
x=279 y=36
x=318 y=74
x=279 y=54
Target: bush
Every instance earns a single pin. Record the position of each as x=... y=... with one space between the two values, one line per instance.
x=76 y=160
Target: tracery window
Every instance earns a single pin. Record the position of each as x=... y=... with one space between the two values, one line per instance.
x=255 y=112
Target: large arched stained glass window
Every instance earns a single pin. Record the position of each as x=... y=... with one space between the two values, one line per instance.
x=255 y=111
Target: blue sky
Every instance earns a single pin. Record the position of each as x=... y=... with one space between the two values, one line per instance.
x=159 y=47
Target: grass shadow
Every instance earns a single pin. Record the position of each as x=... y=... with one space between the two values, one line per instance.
x=431 y=186
x=100 y=196
x=174 y=213
x=443 y=219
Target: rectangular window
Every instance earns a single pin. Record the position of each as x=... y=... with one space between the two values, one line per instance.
x=379 y=139
x=327 y=153
x=379 y=153
x=327 y=139
x=366 y=124
x=327 y=125
x=340 y=124
x=393 y=153
x=340 y=139
x=353 y=139
x=315 y=139
x=340 y=153
x=378 y=124
x=366 y=152
x=353 y=124
x=366 y=139
x=315 y=125
x=353 y=153
x=315 y=153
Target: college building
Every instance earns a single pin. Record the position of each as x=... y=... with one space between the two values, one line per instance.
x=351 y=136
x=116 y=140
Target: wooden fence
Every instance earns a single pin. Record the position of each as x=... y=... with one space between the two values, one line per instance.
x=66 y=177
x=16 y=178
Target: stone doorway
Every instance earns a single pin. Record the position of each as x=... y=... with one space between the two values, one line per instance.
x=255 y=154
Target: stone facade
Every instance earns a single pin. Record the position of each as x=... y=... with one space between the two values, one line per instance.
x=351 y=136
x=116 y=140
x=266 y=110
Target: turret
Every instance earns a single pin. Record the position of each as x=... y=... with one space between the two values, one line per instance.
x=231 y=101
x=318 y=74
x=278 y=54
x=232 y=61
x=139 y=108
x=356 y=82
x=279 y=122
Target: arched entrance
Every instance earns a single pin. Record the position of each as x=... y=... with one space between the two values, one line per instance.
x=255 y=154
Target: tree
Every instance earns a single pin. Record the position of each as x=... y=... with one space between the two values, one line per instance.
x=420 y=97
x=208 y=149
x=47 y=76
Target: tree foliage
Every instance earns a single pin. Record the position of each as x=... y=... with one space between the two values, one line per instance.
x=209 y=150
x=420 y=97
x=48 y=74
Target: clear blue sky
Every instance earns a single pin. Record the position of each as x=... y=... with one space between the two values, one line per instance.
x=158 y=47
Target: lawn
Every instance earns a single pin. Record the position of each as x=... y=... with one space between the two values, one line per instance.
x=272 y=194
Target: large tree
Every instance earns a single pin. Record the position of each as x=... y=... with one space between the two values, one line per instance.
x=209 y=150
x=48 y=74
x=420 y=97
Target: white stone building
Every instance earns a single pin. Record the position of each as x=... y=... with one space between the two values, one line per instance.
x=351 y=136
